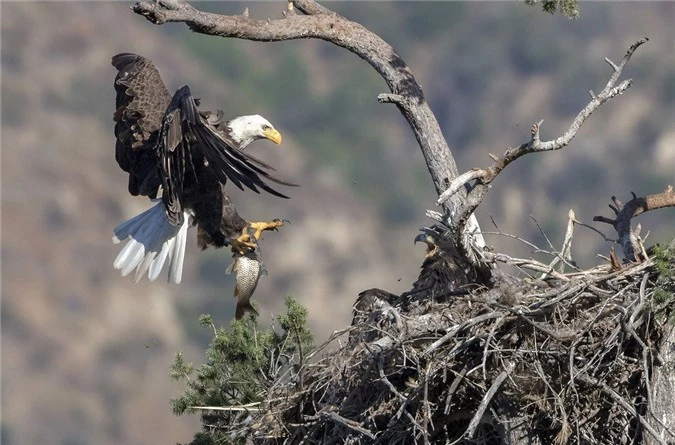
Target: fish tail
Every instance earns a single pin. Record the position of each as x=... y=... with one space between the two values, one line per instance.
x=242 y=308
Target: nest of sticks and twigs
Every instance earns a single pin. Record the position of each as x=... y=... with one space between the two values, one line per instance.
x=551 y=362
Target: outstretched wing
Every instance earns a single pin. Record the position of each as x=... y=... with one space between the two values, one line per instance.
x=186 y=138
x=142 y=100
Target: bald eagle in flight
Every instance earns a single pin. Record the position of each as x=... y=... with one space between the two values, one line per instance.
x=182 y=157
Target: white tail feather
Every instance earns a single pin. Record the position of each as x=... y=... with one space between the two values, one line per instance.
x=158 y=262
x=177 y=254
x=152 y=240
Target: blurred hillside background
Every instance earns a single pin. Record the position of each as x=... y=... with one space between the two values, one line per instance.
x=86 y=353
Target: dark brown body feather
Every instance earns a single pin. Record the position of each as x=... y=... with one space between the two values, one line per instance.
x=371 y=300
x=164 y=140
x=439 y=274
x=218 y=216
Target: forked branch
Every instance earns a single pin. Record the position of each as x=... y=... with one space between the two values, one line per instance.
x=483 y=177
x=629 y=237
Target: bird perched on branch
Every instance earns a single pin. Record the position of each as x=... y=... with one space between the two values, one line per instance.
x=169 y=146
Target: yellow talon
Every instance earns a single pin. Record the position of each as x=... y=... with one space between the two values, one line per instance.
x=260 y=227
x=242 y=244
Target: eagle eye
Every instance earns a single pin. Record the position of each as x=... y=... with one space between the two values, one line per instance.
x=266 y=127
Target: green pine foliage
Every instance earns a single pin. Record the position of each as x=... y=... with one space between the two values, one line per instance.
x=570 y=8
x=664 y=290
x=242 y=362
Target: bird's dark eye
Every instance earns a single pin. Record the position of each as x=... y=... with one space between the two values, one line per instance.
x=266 y=127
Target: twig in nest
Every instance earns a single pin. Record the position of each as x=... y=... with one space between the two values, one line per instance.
x=404 y=399
x=352 y=425
x=458 y=328
x=453 y=388
x=625 y=405
x=565 y=429
x=565 y=255
x=475 y=421
x=248 y=407
x=604 y=237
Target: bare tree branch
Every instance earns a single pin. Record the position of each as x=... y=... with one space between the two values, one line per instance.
x=483 y=177
x=628 y=237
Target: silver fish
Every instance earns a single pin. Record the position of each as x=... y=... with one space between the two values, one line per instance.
x=248 y=268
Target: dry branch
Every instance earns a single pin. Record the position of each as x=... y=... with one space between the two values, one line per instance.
x=629 y=237
x=471 y=429
x=483 y=177
x=624 y=404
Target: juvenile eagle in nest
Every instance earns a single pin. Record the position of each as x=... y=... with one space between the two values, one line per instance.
x=440 y=278
x=374 y=308
x=443 y=274
x=441 y=270
x=170 y=147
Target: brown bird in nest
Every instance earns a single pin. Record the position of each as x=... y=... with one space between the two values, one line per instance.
x=442 y=273
x=373 y=307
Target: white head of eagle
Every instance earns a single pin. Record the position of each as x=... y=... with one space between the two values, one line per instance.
x=246 y=129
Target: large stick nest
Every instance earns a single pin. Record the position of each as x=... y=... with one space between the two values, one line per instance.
x=553 y=362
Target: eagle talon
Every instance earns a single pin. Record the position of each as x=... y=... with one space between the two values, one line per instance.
x=242 y=244
x=260 y=227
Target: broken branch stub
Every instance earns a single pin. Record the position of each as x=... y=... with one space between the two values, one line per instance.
x=629 y=237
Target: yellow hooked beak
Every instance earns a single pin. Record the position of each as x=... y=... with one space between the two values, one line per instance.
x=273 y=135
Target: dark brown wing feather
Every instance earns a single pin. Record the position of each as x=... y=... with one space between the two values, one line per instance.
x=226 y=159
x=370 y=300
x=142 y=99
x=186 y=139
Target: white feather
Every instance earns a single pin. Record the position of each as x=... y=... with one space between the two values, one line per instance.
x=177 y=254
x=153 y=239
x=158 y=262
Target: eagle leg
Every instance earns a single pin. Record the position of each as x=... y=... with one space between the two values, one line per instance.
x=260 y=227
x=242 y=244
